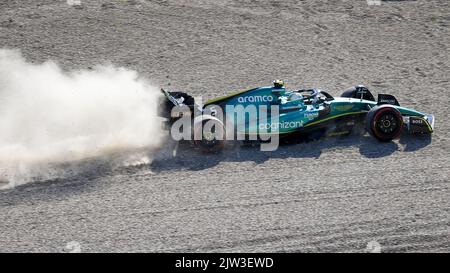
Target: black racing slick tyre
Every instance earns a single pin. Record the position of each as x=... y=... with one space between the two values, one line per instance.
x=384 y=122
x=210 y=136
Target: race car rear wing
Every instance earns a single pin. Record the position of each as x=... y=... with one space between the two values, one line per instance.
x=175 y=99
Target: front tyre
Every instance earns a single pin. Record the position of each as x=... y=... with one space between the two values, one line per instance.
x=384 y=122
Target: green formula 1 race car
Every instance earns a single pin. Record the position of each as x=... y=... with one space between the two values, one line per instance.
x=309 y=113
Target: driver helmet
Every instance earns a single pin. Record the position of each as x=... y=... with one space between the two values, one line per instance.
x=278 y=84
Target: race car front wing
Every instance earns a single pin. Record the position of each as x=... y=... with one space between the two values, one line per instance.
x=419 y=125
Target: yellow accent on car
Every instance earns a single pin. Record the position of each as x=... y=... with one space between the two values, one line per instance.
x=228 y=96
x=338 y=133
x=337 y=116
x=428 y=124
x=345 y=107
x=312 y=123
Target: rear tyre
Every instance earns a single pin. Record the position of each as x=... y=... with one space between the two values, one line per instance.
x=211 y=135
x=384 y=122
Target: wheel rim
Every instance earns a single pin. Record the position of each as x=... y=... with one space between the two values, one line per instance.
x=387 y=123
x=209 y=140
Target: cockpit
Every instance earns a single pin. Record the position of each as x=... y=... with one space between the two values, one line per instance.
x=307 y=96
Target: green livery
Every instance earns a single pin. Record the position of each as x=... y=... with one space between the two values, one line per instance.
x=308 y=112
